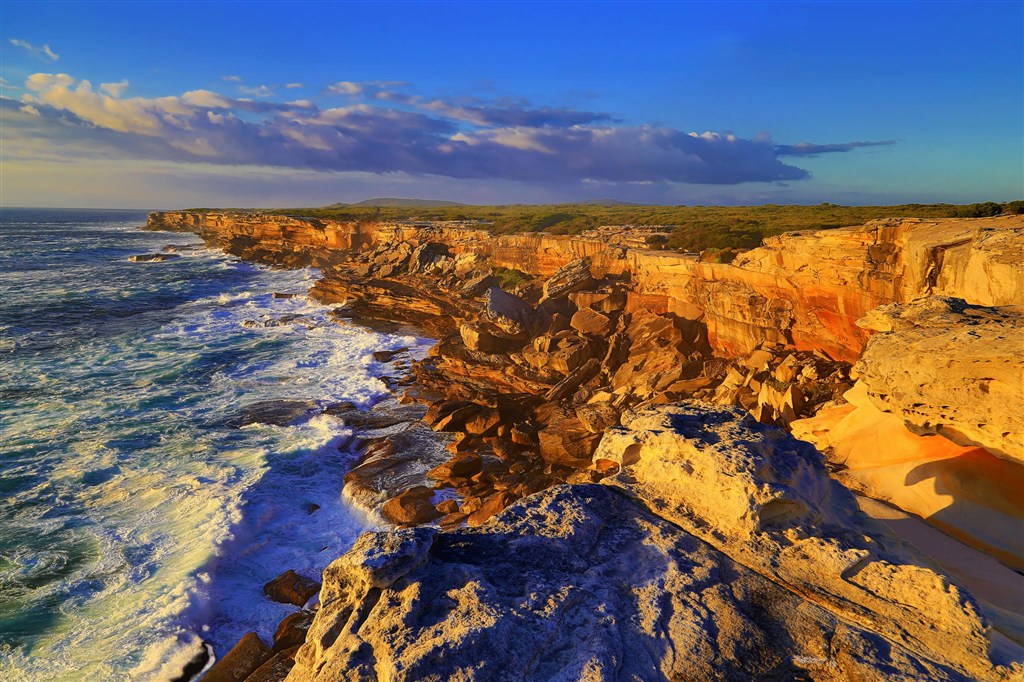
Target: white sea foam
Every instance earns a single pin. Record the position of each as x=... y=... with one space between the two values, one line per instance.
x=180 y=518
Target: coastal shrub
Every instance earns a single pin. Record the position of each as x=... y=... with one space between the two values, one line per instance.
x=510 y=278
x=1014 y=207
x=983 y=210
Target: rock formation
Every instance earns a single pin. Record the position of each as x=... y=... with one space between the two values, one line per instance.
x=719 y=548
x=744 y=561
x=934 y=424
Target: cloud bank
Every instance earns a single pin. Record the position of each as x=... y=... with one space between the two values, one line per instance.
x=381 y=129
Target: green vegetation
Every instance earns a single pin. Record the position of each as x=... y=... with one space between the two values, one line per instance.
x=510 y=278
x=695 y=228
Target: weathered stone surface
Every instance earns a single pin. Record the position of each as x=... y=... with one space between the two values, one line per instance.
x=291 y=588
x=950 y=368
x=512 y=314
x=274 y=670
x=765 y=499
x=291 y=631
x=243 y=659
x=581 y=583
x=592 y=323
x=573 y=276
x=410 y=507
x=965 y=491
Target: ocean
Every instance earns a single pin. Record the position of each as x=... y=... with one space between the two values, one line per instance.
x=140 y=514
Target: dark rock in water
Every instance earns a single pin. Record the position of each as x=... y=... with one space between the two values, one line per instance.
x=243 y=660
x=196 y=665
x=291 y=588
x=313 y=508
x=153 y=257
x=273 y=412
x=278 y=294
x=387 y=355
x=175 y=248
x=291 y=631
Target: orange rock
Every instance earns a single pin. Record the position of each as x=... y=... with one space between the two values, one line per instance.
x=411 y=507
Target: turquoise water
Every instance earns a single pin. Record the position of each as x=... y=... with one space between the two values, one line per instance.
x=137 y=518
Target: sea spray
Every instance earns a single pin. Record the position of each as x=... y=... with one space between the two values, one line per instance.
x=140 y=514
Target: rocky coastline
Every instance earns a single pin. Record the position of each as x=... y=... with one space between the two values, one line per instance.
x=618 y=495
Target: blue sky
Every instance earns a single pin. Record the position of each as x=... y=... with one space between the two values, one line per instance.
x=250 y=104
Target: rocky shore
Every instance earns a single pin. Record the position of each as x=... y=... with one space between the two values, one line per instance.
x=617 y=496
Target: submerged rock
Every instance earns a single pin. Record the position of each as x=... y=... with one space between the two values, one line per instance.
x=153 y=257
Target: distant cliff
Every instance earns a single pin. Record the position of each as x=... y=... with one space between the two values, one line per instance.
x=803 y=289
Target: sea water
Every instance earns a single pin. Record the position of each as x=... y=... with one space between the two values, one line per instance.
x=139 y=517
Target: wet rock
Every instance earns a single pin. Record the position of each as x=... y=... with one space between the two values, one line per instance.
x=273 y=412
x=291 y=631
x=411 y=507
x=243 y=660
x=153 y=257
x=291 y=588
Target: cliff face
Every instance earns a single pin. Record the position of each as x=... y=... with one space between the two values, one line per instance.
x=721 y=551
x=805 y=289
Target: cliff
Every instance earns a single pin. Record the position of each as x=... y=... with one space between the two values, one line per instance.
x=720 y=551
x=804 y=289
x=533 y=374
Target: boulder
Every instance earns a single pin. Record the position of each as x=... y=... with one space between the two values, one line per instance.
x=571 y=277
x=291 y=631
x=966 y=379
x=510 y=313
x=592 y=323
x=291 y=588
x=243 y=660
x=411 y=507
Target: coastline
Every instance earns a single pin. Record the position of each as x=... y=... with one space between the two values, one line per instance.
x=459 y=383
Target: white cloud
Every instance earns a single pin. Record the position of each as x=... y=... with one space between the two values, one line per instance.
x=206 y=98
x=114 y=89
x=256 y=91
x=231 y=79
x=293 y=86
x=44 y=53
x=4 y=85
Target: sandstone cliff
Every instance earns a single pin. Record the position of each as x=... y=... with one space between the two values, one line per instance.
x=743 y=561
x=533 y=380
x=806 y=289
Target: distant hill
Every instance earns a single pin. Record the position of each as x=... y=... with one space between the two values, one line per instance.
x=391 y=202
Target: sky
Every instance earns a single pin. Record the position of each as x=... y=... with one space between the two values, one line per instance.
x=229 y=104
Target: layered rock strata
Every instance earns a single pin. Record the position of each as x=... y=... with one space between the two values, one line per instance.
x=721 y=550
x=529 y=379
x=935 y=423
x=805 y=289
